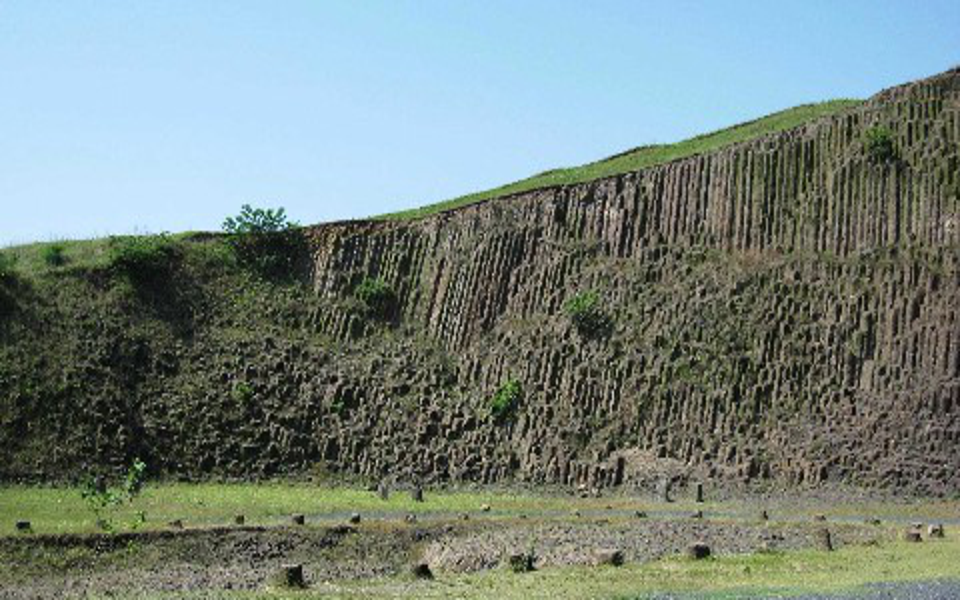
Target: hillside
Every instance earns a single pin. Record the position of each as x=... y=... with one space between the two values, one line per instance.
x=643 y=156
x=771 y=305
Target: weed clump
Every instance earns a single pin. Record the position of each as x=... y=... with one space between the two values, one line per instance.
x=878 y=144
x=504 y=403
x=7 y=268
x=54 y=255
x=8 y=278
x=587 y=315
x=142 y=259
x=104 y=500
x=378 y=299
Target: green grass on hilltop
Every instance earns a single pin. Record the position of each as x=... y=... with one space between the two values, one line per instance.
x=644 y=156
x=29 y=259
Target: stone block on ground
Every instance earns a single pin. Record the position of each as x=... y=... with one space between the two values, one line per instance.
x=608 y=556
x=290 y=576
x=698 y=551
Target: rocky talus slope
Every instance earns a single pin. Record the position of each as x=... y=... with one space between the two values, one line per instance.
x=784 y=310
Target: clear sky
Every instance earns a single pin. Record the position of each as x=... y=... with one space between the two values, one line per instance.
x=132 y=116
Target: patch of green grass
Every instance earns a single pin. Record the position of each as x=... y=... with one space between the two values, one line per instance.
x=32 y=260
x=644 y=156
x=62 y=510
x=744 y=576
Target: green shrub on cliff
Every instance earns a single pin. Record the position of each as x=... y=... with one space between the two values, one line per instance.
x=878 y=144
x=587 y=315
x=264 y=240
x=6 y=267
x=258 y=220
x=142 y=259
x=53 y=255
x=7 y=277
x=504 y=403
x=377 y=297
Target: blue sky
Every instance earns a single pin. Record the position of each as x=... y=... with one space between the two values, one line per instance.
x=122 y=117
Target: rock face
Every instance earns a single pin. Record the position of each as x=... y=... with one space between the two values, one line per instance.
x=786 y=308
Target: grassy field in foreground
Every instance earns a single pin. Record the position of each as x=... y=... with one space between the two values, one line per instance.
x=644 y=156
x=756 y=575
x=62 y=510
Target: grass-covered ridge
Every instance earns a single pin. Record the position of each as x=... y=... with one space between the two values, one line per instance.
x=644 y=156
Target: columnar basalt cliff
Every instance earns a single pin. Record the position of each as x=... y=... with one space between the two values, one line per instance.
x=784 y=310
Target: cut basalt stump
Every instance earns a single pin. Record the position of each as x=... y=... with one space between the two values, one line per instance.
x=640 y=514
x=417 y=494
x=521 y=562
x=935 y=531
x=239 y=520
x=698 y=551
x=355 y=518
x=608 y=556
x=912 y=535
x=485 y=508
x=697 y=515
x=421 y=571
x=290 y=576
x=824 y=540
x=298 y=519
x=665 y=491
x=24 y=526
x=699 y=492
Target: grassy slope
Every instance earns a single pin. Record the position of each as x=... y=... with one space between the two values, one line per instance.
x=644 y=156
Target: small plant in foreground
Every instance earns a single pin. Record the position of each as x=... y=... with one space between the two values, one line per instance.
x=878 y=144
x=54 y=255
x=504 y=403
x=104 y=500
x=586 y=314
x=377 y=297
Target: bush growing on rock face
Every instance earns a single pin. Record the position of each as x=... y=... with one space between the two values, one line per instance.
x=377 y=297
x=587 y=315
x=264 y=240
x=142 y=259
x=878 y=144
x=504 y=403
x=6 y=268
x=53 y=255
x=7 y=277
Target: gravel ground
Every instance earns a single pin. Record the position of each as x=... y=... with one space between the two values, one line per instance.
x=918 y=590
